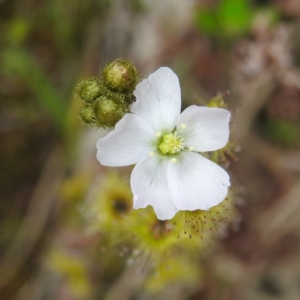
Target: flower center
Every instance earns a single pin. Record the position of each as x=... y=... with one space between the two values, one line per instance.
x=171 y=143
x=120 y=205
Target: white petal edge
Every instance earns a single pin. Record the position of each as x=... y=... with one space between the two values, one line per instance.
x=158 y=100
x=150 y=187
x=196 y=182
x=130 y=141
x=205 y=128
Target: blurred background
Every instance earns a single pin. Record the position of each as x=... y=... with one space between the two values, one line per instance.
x=48 y=164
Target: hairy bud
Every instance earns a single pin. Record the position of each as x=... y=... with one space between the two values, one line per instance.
x=89 y=90
x=121 y=75
x=87 y=116
x=105 y=100
x=124 y=98
x=108 y=112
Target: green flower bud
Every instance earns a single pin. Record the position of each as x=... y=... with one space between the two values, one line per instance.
x=88 y=116
x=108 y=112
x=124 y=98
x=121 y=75
x=218 y=101
x=89 y=90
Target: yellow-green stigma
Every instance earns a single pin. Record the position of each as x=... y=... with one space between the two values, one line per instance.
x=171 y=143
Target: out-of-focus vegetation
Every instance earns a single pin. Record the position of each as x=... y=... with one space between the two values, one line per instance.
x=49 y=173
x=229 y=19
x=225 y=19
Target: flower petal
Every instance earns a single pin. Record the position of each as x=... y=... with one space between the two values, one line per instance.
x=150 y=187
x=196 y=182
x=159 y=100
x=205 y=128
x=130 y=141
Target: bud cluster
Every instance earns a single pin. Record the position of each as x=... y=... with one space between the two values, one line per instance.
x=106 y=99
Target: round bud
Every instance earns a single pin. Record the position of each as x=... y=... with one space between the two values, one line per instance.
x=120 y=75
x=87 y=115
x=89 y=90
x=108 y=112
x=124 y=98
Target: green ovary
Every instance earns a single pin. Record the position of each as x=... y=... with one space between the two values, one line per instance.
x=171 y=144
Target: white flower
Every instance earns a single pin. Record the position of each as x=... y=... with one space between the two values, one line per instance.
x=169 y=174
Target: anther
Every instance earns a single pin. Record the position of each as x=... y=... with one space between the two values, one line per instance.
x=151 y=153
x=173 y=160
x=183 y=126
x=158 y=134
x=191 y=148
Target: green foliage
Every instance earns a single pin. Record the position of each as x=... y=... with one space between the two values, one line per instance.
x=283 y=132
x=18 y=31
x=19 y=62
x=232 y=18
x=228 y=18
x=207 y=22
x=235 y=16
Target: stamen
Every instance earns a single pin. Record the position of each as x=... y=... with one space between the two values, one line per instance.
x=158 y=134
x=183 y=126
x=173 y=160
x=191 y=148
x=151 y=153
x=171 y=143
